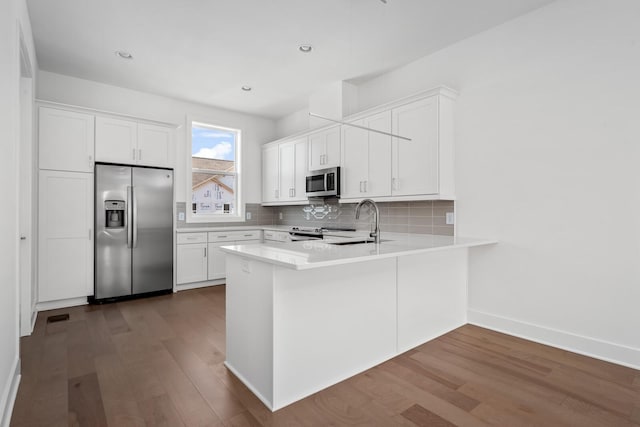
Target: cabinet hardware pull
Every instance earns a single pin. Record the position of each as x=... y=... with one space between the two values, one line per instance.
x=89 y=234
x=277 y=195
x=90 y=162
x=139 y=153
x=293 y=192
x=365 y=186
x=248 y=235
x=205 y=252
x=394 y=183
x=133 y=152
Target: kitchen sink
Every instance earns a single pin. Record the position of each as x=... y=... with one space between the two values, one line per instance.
x=353 y=241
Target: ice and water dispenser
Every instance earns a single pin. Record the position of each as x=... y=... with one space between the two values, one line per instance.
x=114 y=213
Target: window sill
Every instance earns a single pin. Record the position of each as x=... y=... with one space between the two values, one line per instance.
x=214 y=219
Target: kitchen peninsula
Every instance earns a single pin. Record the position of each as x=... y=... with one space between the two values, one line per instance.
x=302 y=316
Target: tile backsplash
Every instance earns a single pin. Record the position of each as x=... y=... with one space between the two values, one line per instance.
x=423 y=217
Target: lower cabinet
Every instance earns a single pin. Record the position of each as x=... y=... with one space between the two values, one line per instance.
x=200 y=257
x=191 y=258
x=65 y=245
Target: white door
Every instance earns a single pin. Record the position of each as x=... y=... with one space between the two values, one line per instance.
x=65 y=140
x=65 y=235
x=155 y=145
x=415 y=162
x=378 y=180
x=217 y=260
x=28 y=291
x=301 y=169
x=270 y=174
x=192 y=263
x=116 y=140
x=287 y=160
x=355 y=160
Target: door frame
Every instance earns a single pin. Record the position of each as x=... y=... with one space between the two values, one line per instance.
x=27 y=225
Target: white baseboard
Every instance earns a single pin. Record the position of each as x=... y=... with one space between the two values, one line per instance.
x=9 y=394
x=592 y=347
x=189 y=286
x=62 y=303
x=250 y=386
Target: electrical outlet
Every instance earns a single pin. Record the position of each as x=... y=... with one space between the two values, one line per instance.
x=248 y=215
x=451 y=218
x=280 y=215
x=180 y=216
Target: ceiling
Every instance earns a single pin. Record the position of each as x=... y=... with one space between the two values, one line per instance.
x=205 y=50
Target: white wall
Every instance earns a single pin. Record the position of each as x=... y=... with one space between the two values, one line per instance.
x=13 y=20
x=85 y=93
x=548 y=155
x=298 y=121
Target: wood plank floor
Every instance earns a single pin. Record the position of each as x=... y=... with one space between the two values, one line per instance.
x=159 y=362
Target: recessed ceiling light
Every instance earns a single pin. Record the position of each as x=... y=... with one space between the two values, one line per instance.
x=123 y=54
x=305 y=48
x=246 y=88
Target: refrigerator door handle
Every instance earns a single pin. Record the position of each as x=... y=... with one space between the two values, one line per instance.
x=129 y=216
x=134 y=227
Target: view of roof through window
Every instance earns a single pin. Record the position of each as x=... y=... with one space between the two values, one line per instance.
x=213 y=163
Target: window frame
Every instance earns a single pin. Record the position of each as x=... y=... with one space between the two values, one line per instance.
x=191 y=217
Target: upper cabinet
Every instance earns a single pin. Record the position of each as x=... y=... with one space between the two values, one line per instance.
x=375 y=165
x=366 y=165
x=130 y=142
x=293 y=170
x=284 y=171
x=65 y=140
x=324 y=149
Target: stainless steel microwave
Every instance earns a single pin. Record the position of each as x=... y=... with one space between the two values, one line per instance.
x=324 y=183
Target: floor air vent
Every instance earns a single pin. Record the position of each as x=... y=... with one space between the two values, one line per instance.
x=58 y=318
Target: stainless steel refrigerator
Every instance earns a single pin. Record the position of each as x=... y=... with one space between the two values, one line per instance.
x=134 y=231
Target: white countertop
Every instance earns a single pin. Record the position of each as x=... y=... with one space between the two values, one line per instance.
x=316 y=253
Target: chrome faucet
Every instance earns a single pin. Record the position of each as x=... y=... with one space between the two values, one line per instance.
x=376 y=232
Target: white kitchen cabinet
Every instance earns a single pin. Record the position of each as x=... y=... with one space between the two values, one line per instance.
x=270 y=174
x=366 y=158
x=192 y=260
x=116 y=140
x=217 y=239
x=324 y=149
x=293 y=170
x=155 y=145
x=65 y=235
x=130 y=142
x=423 y=165
x=66 y=140
x=276 y=236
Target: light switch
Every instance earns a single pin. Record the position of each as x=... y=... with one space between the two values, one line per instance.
x=451 y=218
x=180 y=216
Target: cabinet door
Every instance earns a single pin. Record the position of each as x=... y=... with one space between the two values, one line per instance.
x=116 y=140
x=415 y=162
x=270 y=174
x=155 y=145
x=377 y=183
x=217 y=260
x=192 y=263
x=66 y=140
x=65 y=264
x=301 y=169
x=324 y=149
x=287 y=160
x=355 y=153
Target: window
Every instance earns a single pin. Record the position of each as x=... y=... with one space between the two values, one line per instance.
x=214 y=178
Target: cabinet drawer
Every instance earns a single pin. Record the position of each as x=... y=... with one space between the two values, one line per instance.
x=185 y=238
x=232 y=236
x=278 y=236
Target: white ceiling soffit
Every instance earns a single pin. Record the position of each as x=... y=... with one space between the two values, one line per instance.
x=205 y=50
